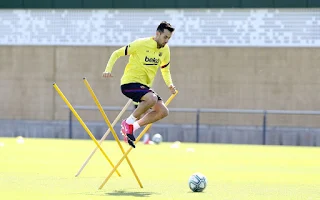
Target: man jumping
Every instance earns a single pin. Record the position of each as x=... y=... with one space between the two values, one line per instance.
x=146 y=56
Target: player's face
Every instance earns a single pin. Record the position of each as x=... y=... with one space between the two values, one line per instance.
x=163 y=37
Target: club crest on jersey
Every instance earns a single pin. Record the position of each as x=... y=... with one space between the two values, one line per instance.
x=160 y=54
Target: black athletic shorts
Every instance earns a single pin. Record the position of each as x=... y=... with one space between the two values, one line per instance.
x=136 y=91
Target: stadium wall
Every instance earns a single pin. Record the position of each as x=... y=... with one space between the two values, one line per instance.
x=215 y=77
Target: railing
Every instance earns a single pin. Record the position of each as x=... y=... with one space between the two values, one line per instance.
x=198 y=111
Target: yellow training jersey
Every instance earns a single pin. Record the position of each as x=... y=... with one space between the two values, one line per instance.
x=145 y=59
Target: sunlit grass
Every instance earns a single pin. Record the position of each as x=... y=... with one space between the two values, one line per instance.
x=45 y=169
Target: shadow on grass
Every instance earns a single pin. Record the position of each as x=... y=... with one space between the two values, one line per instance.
x=120 y=193
x=127 y=193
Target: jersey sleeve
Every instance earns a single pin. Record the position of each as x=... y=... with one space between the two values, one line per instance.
x=165 y=68
x=123 y=51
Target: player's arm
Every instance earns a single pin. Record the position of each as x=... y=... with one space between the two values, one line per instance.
x=165 y=71
x=123 y=51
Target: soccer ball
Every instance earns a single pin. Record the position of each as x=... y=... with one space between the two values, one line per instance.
x=197 y=182
x=157 y=138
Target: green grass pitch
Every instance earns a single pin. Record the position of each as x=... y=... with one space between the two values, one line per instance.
x=45 y=169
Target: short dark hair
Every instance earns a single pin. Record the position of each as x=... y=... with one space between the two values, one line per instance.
x=165 y=25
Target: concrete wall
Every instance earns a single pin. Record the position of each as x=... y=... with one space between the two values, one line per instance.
x=235 y=78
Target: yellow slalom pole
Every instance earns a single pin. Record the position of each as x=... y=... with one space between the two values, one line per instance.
x=110 y=127
x=137 y=140
x=104 y=136
x=82 y=123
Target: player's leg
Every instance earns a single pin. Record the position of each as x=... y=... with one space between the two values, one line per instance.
x=127 y=126
x=159 y=111
x=138 y=93
x=147 y=101
x=136 y=106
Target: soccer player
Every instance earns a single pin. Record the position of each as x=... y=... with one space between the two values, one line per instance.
x=146 y=56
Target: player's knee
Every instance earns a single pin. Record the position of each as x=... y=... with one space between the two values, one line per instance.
x=151 y=99
x=164 y=112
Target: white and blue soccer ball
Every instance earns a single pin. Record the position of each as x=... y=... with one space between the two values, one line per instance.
x=157 y=138
x=197 y=182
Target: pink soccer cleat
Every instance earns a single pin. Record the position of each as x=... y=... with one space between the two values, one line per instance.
x=127 y=132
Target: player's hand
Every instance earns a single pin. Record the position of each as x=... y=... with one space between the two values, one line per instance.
x=107 y=74
x=172 y=89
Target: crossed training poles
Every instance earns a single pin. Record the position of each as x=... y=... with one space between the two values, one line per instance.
x=111 y=129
